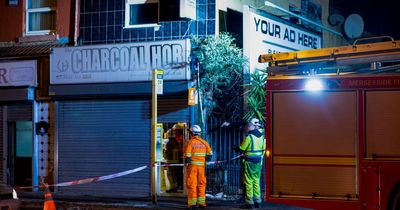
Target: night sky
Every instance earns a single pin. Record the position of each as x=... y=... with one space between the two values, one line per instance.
x=381 y=17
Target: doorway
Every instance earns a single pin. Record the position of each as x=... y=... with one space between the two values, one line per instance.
x=20 y=153
x=172 y=178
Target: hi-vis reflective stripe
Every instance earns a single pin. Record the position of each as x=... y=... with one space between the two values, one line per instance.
x=91 y=180
x=197 y=154
x=197 y=163
x=330 y=161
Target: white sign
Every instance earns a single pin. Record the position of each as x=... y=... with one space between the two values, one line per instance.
x=120 y=63
x=159 y=82
x=188 y=9
x=264 y=34
x=19 y=73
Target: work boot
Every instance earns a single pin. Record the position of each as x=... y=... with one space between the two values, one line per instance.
x=202 y=207
x=257 y=205
x=247 y=206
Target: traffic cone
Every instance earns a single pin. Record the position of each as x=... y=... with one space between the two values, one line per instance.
x=49 y=203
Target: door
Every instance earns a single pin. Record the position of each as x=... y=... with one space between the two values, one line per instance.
x=20 y=152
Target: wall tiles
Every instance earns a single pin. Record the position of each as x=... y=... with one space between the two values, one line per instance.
x=103 y=18
x=102 y=21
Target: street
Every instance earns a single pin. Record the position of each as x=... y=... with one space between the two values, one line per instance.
x=167 y=204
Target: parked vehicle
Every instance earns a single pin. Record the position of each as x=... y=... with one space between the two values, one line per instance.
x=8 y=198
x=333 y=127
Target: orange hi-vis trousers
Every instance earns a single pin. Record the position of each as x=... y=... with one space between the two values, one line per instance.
x=196 y=149
x=196 y=185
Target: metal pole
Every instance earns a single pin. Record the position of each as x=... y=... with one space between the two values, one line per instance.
x=269 y=4
x=153 y=137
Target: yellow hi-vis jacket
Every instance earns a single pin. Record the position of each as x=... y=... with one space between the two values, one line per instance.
x=254 y=147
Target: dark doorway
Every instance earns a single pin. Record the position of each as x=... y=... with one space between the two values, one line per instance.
x=20 y=150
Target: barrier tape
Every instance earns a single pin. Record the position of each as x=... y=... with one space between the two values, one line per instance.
x=111 y=176
x=89 y=180
x=208 y=163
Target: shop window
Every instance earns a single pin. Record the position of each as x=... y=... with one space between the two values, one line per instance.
x=148 y=13
x=40 y=16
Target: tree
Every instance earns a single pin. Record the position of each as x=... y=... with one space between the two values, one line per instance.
x=220 y=76
x=256 y=96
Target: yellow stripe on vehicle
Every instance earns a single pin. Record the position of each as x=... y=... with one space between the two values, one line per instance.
x=347 y=161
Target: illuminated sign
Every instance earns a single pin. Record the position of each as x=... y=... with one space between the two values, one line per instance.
x=120 y=63
x=159 y=81
x=193 y=96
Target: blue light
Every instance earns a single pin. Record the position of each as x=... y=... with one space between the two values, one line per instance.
x=314 y=85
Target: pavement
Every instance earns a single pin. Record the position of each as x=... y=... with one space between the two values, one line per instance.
x=166 y=203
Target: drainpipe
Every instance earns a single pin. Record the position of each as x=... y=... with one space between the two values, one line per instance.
x=74 y=22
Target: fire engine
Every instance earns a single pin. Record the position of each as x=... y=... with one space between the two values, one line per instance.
x=333 y=127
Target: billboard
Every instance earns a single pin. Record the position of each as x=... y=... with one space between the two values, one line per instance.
x=267 y=34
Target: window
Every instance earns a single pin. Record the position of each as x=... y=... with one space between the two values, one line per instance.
x=148 y=13
x=40 y=16
x=141 y=13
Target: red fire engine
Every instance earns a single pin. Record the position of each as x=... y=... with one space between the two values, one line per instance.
x=333 y=127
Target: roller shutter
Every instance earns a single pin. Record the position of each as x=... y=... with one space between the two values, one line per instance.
x=19 y=112
x=173 y=110
x=102 y=137
x=2 y=139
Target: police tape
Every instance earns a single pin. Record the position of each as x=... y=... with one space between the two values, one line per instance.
x=208 y=163
x=89 y=180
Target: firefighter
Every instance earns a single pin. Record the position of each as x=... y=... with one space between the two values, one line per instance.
x=253 y=148
x=171 y=154
x=197 y=152
x=179 y=136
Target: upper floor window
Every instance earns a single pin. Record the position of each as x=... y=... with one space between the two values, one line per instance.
x=141 y=13
x=40 y=16
x=148 y=13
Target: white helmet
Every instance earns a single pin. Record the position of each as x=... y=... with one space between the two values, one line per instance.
x=195 y=129
x=255 y=122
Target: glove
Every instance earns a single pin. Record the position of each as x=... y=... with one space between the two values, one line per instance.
x=208 y=158
x=237 y=149
x=188 y=160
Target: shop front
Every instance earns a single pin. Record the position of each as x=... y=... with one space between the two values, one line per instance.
x=18 y=141
x=102 y=116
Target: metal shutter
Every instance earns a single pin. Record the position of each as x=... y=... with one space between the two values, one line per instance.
x=102 y=137
x=2 y=149
x=172 y=110
x=19 y=112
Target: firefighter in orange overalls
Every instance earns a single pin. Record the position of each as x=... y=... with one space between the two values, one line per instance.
x=196 y=154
